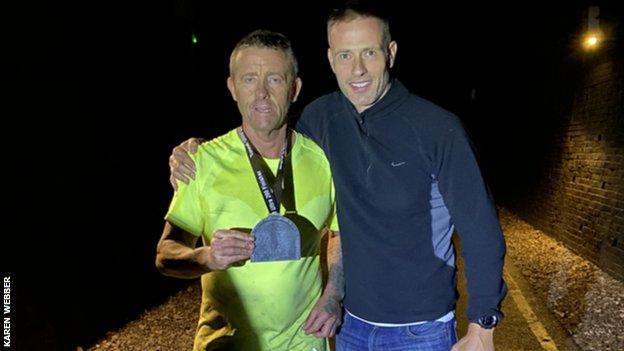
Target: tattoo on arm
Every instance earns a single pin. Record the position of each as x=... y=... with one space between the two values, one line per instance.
x=335 y=280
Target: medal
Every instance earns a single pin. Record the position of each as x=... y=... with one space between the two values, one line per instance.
x=277 y=238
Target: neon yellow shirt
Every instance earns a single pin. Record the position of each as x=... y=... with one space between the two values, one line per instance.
x=259 y=305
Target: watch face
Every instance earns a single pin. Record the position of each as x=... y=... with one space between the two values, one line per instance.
x=488 y=322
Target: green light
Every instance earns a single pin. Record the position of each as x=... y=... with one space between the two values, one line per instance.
x=193 y=38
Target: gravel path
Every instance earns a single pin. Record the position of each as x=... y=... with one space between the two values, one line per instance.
x=168 y=327
x=587 y=302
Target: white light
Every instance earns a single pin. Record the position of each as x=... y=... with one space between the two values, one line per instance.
x=592 y=41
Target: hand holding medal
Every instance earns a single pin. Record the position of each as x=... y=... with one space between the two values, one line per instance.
x=228 y=247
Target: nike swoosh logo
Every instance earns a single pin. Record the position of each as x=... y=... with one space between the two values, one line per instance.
x=397 y=164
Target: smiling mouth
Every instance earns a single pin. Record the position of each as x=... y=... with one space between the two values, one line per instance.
x=360 y=86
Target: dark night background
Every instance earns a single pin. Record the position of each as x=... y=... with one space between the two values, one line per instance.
x=101 y=91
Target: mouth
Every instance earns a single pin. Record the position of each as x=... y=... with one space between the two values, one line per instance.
x=262 y=108
x=360 y=86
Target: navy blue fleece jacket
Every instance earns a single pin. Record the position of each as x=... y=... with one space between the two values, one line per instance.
x=406 y=175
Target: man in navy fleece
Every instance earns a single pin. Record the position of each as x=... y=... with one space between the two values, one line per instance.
x=405 y=176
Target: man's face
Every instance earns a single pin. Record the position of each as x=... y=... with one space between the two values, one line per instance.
x=359 y=60
x=263 y=85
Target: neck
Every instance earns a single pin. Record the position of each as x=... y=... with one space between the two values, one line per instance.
x=386 y=89
x=269 y=144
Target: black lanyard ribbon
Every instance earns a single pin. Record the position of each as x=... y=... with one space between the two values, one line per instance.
x=271 y=194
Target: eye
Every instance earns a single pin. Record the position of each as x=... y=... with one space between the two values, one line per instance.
x=370 y=53
x=276 y=80
x=249 y=79
x=344 y=56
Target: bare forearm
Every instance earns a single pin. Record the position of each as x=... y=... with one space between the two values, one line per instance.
x=335 y=279
x=176 y=260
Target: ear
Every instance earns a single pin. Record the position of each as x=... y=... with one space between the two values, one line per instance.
x=296 y=89
x=231 y=88
x=392 y=50
x=330 y=58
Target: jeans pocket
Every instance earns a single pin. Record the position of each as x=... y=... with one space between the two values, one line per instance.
x=426 y=330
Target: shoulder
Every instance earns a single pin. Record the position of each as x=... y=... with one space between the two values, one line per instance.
x=308 y=146
x=316 y=116
x=429 y=118
x=219 y=148
x=322 y=105
x=308 y=154
x=427 y=111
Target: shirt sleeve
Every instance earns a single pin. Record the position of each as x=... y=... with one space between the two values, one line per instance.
x=186 y=210
x=473 y=212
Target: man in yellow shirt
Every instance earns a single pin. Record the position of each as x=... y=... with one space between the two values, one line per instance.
x=250 y=305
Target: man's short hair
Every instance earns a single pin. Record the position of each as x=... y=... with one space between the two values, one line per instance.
x=263 y=38
x=355 y=9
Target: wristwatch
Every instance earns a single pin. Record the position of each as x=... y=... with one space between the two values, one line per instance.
x=487 y=322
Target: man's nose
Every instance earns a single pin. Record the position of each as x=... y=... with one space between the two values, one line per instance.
x=359 y=68
x=261 y=91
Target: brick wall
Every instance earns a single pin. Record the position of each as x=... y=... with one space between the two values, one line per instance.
x=579 y=197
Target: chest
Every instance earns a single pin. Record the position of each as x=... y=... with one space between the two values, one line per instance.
x=380 y=162
x=234 y=198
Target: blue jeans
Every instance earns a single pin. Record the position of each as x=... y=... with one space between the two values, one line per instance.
x=356 y=335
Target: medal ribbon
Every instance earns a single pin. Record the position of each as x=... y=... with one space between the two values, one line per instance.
x=271 y=194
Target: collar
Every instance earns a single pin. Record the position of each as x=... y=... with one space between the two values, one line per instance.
x=388 y=103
